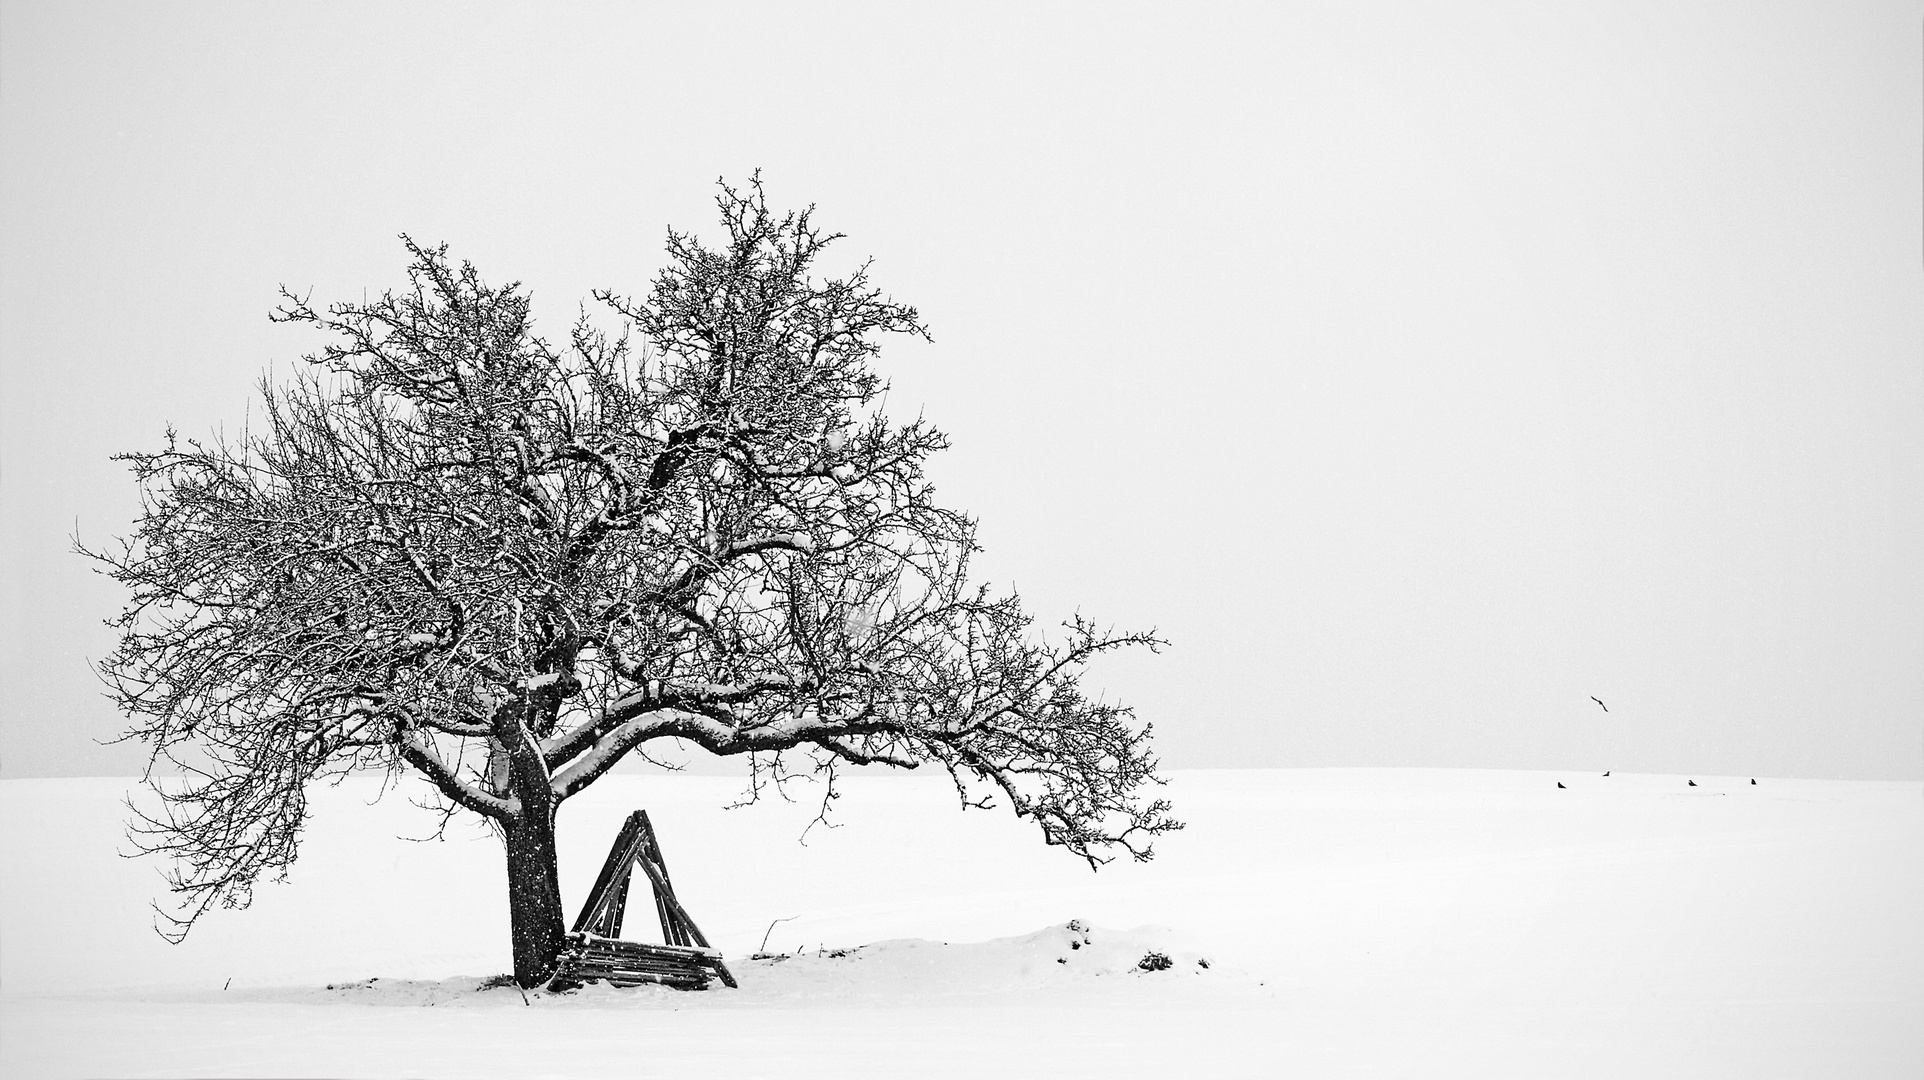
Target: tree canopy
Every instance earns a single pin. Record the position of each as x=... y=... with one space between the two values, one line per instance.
x=452 y=546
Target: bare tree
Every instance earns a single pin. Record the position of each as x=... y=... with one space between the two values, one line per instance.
x=457 y=549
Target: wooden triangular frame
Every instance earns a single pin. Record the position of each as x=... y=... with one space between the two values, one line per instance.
x=607 y=903
x=685 y=958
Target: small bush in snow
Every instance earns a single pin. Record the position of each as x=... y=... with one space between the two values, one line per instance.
x=1154 y=961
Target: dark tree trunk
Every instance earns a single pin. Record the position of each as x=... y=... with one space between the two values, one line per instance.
x=534 y=895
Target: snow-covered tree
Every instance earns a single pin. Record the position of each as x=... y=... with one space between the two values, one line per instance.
x=453 y=547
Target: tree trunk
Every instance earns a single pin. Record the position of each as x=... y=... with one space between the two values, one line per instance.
x=534 y=896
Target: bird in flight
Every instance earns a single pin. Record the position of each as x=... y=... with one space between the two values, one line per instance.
x=1600 y=703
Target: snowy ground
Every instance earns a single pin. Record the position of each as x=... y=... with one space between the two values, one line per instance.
x=1421 y=923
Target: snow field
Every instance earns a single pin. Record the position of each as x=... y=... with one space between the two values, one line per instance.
x=1357 y=922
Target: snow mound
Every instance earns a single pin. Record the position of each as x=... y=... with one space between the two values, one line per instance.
x=1068 y=962
x=1062 y=960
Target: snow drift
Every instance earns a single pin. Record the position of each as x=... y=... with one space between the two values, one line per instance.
x=1354 y=922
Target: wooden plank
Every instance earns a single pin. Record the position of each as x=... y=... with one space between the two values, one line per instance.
x=636 y=964
x=680 y=980
x=667 y=918
x=669 y=970
x=618 y=906
x=620 y=858
x=622 y=945
x=585 y=970
x=641 y=958
x=677 y=955
x=656 y=865
x=690 y=974
x=613 y=870
x=641 y=965
x=605 y=958
x=671 y=981
x=666 y=896
x=583 y=938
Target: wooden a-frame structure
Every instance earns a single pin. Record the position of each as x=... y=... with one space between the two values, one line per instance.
x=595 y=949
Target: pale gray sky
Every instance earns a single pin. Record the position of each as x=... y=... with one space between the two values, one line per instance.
x=1420 y=370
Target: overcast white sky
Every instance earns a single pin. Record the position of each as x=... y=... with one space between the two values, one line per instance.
x=1420 y=370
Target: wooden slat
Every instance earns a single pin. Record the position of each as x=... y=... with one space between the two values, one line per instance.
x=618 y=906
x=629 y=948
x=642 y=961
x=590 y=945
x=620 y=859
x=650 y=855
x=665 y=895
x=699 y=975
x=591 y=938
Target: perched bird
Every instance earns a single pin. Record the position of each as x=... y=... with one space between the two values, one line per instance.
x=1606 y=772
x=1600 y=703
x=1753 y=781
x=1693 y=783
x=1561 y=787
